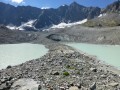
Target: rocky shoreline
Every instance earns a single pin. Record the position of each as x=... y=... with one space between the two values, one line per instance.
x=62 y=68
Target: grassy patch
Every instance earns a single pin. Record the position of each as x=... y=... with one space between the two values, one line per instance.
x=66 y=73
x=78 y=72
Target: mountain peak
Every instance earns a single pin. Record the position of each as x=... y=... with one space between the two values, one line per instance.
x=114 y=7
x=75 y=4
x=117 y=3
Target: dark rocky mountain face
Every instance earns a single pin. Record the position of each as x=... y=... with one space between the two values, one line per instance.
x=47 y=18
x=114 y=8
x=16 y=15
x=72 y=13
x=44 y=18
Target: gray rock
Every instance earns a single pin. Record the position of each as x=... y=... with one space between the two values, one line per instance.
x=62 y=88
x=56 y=73
x=79 y=86
x=74 y=88
x=39 y=87
x=93 y=69
x=4 y=87
x=93 y=86
x=25 y=84
x=8 y=67
x=3 y=80
x=114 y=84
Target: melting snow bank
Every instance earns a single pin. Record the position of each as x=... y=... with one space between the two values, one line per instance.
x=29 y=24
x=63 y=25
x=23 y=25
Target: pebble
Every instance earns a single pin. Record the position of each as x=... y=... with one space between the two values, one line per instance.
x=93 y=69
x=74 y=88
x=93 y=86
x=114 y=84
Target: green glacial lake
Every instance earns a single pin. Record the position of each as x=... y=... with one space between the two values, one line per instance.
x=107 y=53
x=14 y=54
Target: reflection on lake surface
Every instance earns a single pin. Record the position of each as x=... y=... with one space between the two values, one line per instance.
x=13 y=54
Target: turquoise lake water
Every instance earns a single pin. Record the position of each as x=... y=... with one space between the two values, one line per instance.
x=107 y=53
x=14 y=54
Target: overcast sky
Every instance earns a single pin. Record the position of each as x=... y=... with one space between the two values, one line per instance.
x=57 y=3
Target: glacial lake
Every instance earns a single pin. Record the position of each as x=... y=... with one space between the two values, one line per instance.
x=109 y=54
x=14 y=54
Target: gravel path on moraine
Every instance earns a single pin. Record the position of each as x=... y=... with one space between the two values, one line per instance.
x=62 y=68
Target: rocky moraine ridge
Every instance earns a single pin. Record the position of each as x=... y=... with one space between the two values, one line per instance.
x=62 y=68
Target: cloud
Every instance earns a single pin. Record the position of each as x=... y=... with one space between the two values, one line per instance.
x=18 y=1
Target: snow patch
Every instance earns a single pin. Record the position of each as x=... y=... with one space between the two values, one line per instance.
x=64 y=5
x=63 y=25
x=29 y=23
x=21 y=27
x=101 y=15
x=45 y=7
x=11 y=27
